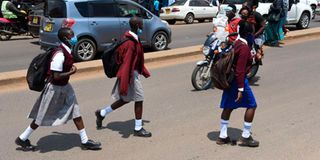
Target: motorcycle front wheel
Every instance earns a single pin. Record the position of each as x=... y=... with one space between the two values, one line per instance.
x=199 y=79
x=253 y=71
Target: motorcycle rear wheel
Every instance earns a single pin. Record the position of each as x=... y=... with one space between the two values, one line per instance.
x=3 y=36
x=253 y=71
x=198 y=81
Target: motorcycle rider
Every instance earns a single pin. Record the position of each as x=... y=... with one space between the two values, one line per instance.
x=233 y=21
x=10 y=11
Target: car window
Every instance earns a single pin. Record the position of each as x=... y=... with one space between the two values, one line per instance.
x=204 y=3
x=55 y=9
x=101 y=9
x=194 y=3
x=179 y=3
x=83 y=8
x=129 y=10
x=233 y=1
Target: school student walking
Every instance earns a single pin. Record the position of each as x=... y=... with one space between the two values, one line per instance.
x=128 y=86
x=240 y=93
x=57 y=103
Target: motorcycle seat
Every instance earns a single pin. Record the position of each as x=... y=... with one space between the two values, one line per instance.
x=5 y=20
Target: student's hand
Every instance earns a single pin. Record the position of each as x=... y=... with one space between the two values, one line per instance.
x=239 y=96
x=73 y=69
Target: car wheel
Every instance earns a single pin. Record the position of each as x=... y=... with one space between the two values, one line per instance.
x=304 y=21
x=85 y=50
x=171 y=21
x=160 y=41
x=201 y=20
x=189 y=18
x=313 y=11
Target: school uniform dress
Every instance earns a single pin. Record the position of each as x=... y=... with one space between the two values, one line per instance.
x=57 y=103
x=128 y=86
x=243 y=61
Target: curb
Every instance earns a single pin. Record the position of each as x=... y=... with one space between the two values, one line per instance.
x=14 y=77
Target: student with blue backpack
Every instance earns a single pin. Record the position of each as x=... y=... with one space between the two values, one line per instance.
x=57 y=103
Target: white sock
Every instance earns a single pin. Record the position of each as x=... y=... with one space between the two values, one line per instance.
x=246 y=130
x=223 y=128
x=83 y=136
x=26 y=134
x=106 y=111
x=138 y=123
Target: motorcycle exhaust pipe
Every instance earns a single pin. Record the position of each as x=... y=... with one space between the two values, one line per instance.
x=8 y=32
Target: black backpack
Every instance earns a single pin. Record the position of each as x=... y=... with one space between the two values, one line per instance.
x=38 y=69
x=109 y=59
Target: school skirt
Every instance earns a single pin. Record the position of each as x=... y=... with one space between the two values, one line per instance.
x=135 y=90
x=229 y=96
x=55 y=106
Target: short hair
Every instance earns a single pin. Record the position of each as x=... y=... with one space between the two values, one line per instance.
x=63 y=32
x=134 y=21
x=234 y=8
x=245 y=28
x=245 y=8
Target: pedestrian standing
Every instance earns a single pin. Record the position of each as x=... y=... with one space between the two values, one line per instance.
x=128 y=86
x=156 y=5
x=240 y=93
x=57 y=103
x=276 y=19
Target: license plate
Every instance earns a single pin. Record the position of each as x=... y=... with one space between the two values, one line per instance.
x=48 y=27
x=35 y=20
x=167 y=11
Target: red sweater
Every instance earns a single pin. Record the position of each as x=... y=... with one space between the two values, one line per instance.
x=131 y=57
x=243 y=61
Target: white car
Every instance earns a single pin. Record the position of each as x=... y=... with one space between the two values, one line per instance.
x=299 y=15
x=188 y=11
x=313 y=4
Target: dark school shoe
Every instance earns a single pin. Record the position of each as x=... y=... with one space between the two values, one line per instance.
x=91 y=145
x=142 y=133
x=248 y=142
x=99 y=119
x=222 y=141
x=25 y=145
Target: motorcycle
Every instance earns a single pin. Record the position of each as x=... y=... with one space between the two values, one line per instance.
x=213 y=46
x=8 y=28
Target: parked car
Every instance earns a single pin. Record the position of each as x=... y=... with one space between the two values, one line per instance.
x=299 y=15
x=34 y=18
x=313 y=4
x=188 y=11
x=98 y=22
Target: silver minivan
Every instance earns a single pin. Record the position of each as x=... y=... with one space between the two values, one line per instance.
x=98 y=22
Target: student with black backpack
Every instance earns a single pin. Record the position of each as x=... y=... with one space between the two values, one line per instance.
x=240 y=93
x=57 y=103
x=128 y=87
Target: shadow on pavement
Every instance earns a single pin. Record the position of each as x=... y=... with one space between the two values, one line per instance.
x=233 y=133
x=124 y=128
x=35 y=43
x=58 y=142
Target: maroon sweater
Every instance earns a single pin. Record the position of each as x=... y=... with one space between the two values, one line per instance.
x=131 y=57
x=67 y=65
x=243 y=61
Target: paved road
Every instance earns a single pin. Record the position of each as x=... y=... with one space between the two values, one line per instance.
x=18 y=53
x=185 y=123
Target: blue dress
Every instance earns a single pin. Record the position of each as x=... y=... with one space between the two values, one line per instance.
x=229 y=96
